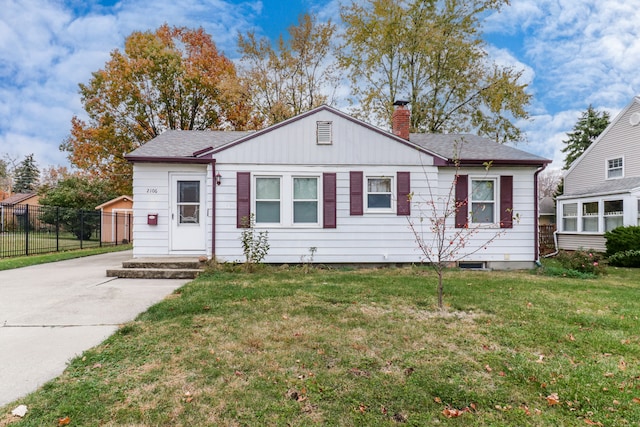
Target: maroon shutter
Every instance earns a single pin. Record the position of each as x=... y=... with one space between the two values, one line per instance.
x=462 y=195
x=243 y=199
x=506 y=201
x=355 y=193
x=329 y=200
x=404 y=191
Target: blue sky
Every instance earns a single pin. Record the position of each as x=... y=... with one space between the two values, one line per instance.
x=573 y=52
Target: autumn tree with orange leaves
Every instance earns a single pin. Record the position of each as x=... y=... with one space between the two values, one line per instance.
x=173 y=78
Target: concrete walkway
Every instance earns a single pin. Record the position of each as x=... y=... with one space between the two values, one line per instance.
x=50 y=313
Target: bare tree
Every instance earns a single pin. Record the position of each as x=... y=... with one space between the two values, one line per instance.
x=441 y=242
x=548 y=182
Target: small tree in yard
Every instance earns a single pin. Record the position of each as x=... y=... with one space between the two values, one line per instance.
x=440 y=242
x=255 y=245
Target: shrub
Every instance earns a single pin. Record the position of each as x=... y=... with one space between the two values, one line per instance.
x=630 y=258
x=622 y=239
x=589 y=262
x=255 y=245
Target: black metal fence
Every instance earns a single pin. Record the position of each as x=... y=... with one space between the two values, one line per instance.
x=28 y=230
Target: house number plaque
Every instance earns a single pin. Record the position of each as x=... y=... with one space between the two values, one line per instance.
x=152 y=190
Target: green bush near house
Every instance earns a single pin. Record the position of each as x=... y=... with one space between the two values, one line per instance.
x=622 y=239
x=629 y=258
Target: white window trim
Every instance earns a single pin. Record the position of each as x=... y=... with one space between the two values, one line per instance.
x=254 y=200
x=318 y=201
x=576 y=216
x=286 y=200
x=391 y=208
x=584 y=215
x=607 y=170
x=496 y=199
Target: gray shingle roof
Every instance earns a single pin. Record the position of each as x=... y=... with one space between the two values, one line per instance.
x=611 y=186
x=471 y=147
x=183 y=143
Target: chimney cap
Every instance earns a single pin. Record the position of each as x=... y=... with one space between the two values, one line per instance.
x=400 y=102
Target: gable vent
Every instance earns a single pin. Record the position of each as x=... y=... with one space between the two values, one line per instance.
x=323 y=133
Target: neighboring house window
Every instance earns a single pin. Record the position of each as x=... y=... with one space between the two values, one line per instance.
x=614 y=168
x=613 y=214
x=323 y=133
x=570 y=217
x=305 y=200
x=379 y=193
x=268 y=200
x=590 y=217
x=483 y=201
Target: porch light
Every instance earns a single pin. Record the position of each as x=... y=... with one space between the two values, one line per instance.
x=218 y=178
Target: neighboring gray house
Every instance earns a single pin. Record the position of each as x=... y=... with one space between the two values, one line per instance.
x=328 y=181
x=602 y=187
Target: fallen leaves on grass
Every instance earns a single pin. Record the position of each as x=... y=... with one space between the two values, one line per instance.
x=64 y=421
x=453 y=412
x=553 y=399
x=592 y=423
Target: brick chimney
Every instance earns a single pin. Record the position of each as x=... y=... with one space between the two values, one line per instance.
x=401 y=119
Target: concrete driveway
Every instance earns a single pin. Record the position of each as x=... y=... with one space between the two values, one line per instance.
x=50 y=313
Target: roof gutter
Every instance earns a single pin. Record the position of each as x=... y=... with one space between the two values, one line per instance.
x=151 y=159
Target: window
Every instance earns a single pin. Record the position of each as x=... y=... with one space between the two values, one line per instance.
x=268 y=200
x=613 y=214
x=483 y=201
x=614 y=168
x=305 y=200
x=189 y=202
x=590 y=216
x=379 y=193
x=323 y=133
x=570 y=217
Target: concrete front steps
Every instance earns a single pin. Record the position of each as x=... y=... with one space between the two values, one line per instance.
x=158 y=268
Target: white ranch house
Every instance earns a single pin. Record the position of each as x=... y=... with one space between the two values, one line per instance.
x=326 y=180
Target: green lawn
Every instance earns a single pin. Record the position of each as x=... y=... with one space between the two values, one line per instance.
x=364 y=348
x=15 y=243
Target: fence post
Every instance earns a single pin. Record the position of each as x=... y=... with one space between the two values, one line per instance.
x=25 y=224
x=57 y=228
x=81 y=228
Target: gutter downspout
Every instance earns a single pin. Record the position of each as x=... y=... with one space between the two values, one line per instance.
x=536 y=232
x=214 y=186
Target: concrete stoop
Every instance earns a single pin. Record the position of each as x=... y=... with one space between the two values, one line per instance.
x=158 y=268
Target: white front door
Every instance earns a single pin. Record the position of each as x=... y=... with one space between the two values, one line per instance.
x=188 y=212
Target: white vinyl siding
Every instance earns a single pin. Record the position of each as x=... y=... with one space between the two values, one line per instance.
x=151 y=195
x=619 y=140
x=370 y=238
